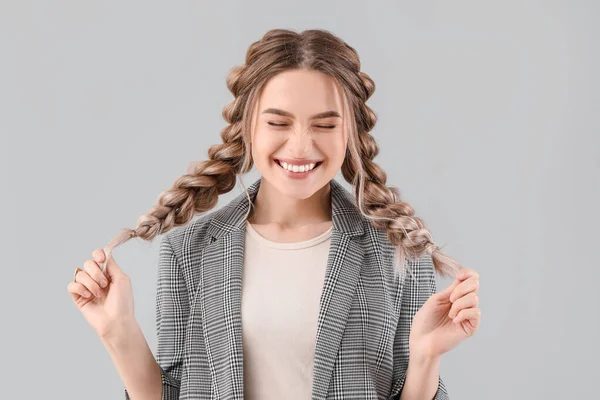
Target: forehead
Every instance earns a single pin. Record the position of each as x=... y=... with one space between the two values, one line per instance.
x=302 y=92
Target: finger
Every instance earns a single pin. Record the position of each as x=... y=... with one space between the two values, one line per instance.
x=103 y=256
x=445 y=294
x=470 y=285
x=76 y=290
x=466 y=273
x=90 y=284
x=98 y=255
x=473 y=314
x=112 y=268
x=93 y=269
x=467 y=301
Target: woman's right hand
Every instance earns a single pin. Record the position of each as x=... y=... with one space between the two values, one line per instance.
x=105 y=307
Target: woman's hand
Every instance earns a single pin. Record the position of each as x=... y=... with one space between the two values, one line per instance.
x=447 y=317
x=104 y=299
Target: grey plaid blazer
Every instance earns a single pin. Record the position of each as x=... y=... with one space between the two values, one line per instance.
x=364 y=319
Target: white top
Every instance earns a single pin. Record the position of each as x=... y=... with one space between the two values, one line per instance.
x=281 y=290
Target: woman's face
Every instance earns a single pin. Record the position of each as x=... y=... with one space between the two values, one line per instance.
x=298 y=124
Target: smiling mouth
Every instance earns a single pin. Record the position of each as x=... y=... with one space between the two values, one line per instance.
x=317 y=164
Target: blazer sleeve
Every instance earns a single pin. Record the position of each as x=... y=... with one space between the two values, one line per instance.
x=172 y=311
x=417 y=288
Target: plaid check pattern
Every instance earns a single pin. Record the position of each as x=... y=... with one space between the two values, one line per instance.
x=365 y=315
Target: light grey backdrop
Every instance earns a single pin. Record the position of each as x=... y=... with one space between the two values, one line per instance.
x=488 y=124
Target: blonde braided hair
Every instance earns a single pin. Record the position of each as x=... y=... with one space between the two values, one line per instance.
x=279 y=50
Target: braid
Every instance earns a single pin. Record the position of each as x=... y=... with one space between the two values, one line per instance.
x=279 y=50
x=198 y=190
x=380 y=203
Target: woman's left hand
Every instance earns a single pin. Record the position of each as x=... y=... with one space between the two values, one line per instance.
x=447 y=317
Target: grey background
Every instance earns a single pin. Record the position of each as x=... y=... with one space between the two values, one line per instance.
x=488 y=124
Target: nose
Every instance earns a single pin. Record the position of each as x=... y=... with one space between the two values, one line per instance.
x=300 y=143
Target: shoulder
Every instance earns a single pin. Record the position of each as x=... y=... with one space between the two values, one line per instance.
x=192 y=235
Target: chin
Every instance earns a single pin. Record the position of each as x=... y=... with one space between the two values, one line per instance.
x=299 y=189
x=300 y=193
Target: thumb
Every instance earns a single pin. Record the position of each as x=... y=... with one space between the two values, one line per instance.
x=113 y=271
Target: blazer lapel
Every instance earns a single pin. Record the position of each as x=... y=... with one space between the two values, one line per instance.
x=341 y=277
x=219 y=295
x=220 y=288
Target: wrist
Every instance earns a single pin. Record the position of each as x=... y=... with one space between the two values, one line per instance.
x=121 y=332
x=423 y=358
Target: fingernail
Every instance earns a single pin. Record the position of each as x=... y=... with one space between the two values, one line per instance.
x=87 y=294
x=103 y=282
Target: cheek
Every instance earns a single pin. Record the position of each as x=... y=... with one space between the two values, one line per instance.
x=334 y=148
x=264 y=145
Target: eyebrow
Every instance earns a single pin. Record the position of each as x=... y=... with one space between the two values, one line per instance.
x=284 y=113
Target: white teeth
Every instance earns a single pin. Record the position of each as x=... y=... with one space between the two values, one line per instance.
x=296 y=168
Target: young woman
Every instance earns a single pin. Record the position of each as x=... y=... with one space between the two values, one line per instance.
x=332 y=294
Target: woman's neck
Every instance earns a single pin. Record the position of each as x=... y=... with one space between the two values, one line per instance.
x=271 y=207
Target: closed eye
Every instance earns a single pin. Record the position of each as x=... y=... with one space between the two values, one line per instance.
x=318 y=126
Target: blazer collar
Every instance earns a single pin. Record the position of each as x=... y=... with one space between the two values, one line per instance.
x=218 y=294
